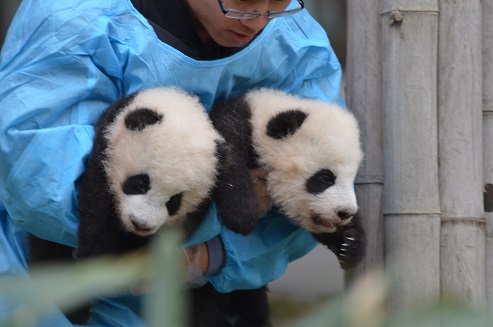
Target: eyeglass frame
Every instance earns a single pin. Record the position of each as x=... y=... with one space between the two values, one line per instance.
x=255 y=14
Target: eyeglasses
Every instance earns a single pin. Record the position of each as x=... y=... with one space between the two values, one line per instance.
x=237 y=14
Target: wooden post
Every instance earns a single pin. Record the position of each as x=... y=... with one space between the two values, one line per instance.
x=411 y=198
x=364 y=99
x=462 y=256
x=488 y=141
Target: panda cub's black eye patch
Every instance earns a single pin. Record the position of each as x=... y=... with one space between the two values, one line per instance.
x=285 y=123
x=320 y=181
x=139 y=119
x=174 y=203
x=137 y=184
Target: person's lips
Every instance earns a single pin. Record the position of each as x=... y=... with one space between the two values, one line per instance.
x=242 y=38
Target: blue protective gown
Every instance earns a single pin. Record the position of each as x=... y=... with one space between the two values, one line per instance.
x=64 y=62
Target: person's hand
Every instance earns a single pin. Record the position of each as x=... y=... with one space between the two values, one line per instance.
x=264 y=199
x=197 y=257
x=196 y=265
x=203 y=260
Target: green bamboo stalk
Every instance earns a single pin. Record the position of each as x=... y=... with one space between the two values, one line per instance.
x=165 y=305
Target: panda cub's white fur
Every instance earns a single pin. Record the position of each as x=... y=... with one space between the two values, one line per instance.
x=328 y=139
x=178 y=154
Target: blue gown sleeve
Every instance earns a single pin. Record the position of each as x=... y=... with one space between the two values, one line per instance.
x=257 y=259
x=53 y=87
x=45 y=136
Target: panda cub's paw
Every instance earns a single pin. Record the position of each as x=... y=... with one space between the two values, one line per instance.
x=352 y=248
x=348 y=243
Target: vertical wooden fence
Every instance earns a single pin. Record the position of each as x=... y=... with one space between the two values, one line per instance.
x=420 y=80
x=411 y=202
x=488 y=142
x=462 y=267
x=363 y=94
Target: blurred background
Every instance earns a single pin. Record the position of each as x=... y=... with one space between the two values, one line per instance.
x=316 y=276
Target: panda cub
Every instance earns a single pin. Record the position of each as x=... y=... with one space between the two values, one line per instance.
x=154 y=163
x=311 y=152
x=147 y=170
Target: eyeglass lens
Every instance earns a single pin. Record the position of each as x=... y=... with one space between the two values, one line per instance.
x=249 y=6
x=242 y=9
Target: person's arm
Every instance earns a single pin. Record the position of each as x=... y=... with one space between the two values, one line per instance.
x=44 y=137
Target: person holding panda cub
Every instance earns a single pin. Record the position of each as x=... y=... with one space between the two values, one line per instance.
x=64 y=62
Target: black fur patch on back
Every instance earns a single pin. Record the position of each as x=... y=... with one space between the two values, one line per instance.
x=231 y=118
x=285 y=123
x=320 y=181
x=137 y=184
x=141 y=118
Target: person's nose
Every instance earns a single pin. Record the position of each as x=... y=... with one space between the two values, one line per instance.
x=256 y=24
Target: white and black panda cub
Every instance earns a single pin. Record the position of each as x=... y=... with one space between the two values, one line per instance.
x=311 y=153
x=155 y=161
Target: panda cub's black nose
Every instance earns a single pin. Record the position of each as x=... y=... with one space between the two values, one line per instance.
x=343 y=215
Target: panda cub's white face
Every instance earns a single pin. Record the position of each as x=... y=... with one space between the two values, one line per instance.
x=161 y=159
x=311 y=151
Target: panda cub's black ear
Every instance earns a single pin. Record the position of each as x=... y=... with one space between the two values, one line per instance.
x=285 y=123
x=139 y=119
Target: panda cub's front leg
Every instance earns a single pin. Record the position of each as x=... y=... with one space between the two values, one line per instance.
x=348 y=243
x=235 y=196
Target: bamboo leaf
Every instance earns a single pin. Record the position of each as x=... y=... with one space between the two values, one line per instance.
x=67 y=286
